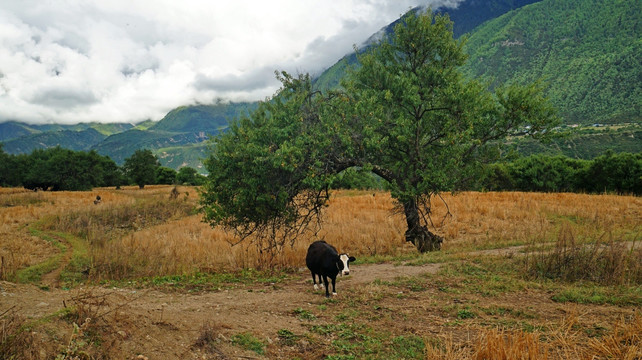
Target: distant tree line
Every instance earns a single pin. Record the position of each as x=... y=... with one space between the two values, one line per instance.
x=611 y=172
x=59 y=169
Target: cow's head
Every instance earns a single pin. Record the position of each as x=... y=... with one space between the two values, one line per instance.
x=344 y=260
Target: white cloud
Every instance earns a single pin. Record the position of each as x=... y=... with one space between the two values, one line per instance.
x=69 y=61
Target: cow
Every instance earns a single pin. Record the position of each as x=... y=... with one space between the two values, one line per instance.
x=323 y=260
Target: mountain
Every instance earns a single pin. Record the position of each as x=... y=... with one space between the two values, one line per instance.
x=587 y=52
x=184 y=127
x=68 y=139
x=466 y=17
x=13 y=129
x=201 y=118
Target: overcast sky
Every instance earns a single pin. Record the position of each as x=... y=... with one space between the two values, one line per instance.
x=66 y=61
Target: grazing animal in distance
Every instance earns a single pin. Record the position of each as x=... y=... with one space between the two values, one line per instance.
x=323 y=260
x=97 y=201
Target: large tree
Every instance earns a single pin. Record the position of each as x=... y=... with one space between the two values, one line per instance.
x=141 y=167
x=407 y=114
x=426 y=129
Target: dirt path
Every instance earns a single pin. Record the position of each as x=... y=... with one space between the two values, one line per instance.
x=52 y=279
x=148 y=321
x=153 y=324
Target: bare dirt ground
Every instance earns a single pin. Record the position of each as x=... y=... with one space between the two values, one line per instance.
x=166 y=325
x=153 y=324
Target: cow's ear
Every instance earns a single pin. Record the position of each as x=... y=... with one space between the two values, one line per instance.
x=352 y=258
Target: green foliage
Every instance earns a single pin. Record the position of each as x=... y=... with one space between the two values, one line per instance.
x=303 y=314
x=6 y=164
x=59 y=169
x=189 y=176
x=424 y=128
x=165 y=175
x=407 y=115
x=586 y=51
x=357 y=178
x=620 y=173
x=268 y=169
x=141 y=167
x=466 y=314
x=249 y=342
x=287 y=337
x=587 y=143
x=591 y=294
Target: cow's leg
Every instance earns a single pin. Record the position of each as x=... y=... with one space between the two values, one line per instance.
x=334 y=290
x=325 y=282
x=314 y=281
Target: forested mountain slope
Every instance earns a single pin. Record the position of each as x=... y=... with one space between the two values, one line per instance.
x=587 y=52
x=68 y=139
x=467 y=16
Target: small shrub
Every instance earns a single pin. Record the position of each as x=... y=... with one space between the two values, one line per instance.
x=466 y=314
x=287 y=337
x=304 y=314
x=607 y=262
x=248 y=342
x=15 y=338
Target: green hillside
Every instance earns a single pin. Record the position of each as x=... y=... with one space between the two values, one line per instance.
x=187 y=155
x=201 y=118
x=13 y=129
x=586 y=142
x=120 y=146
x=183 y=127
x=467 y=16
x=586 y=51
x=68 y=139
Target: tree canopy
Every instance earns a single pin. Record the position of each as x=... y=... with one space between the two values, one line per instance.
x=141 y=167
x=407 y=114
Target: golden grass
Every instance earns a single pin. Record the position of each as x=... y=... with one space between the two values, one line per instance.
x=358 y=222
x=563 y=341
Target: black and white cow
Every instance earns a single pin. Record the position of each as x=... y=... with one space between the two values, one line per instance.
x=323 y=260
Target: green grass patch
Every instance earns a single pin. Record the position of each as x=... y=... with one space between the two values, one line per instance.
x=198 y=281
x=47 y=237
x=33 y=274
x=599 y=295
x=248 y=341
x=287 y=337
x=77 y=270
x=466 y=313
x=353 y=340
x=488 y=277
x=408 y=347
x=303 y=314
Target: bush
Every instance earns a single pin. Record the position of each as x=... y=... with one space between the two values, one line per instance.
x=606 y=262
x=620 y=173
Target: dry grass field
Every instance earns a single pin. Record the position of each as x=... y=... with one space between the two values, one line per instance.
x=520 y=276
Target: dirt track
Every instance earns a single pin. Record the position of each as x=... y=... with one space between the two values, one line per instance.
x=165 y=325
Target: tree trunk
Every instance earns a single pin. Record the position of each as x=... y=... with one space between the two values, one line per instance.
x=418 y=234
